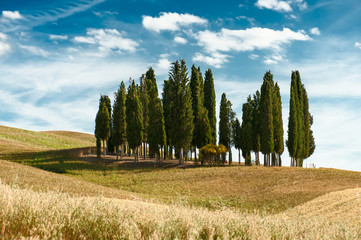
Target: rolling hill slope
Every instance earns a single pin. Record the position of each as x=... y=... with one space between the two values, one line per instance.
x=15 y=140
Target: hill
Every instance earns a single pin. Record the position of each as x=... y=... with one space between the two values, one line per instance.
x=15 y=140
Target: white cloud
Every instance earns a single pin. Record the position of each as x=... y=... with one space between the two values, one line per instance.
x=279 y=6
x=273 y=59
x=163 y=65
x=315 y=31
x=58 y=37
x=12 y=15
x=253 y=56
x=35 y=50
x=171 y=21
x=4 y=45
x=180 y=40
x=358 y=45
x=249 y=39
x=215 y=59
x=107 y=40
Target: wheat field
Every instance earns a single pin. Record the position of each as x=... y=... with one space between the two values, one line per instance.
x=54 y=215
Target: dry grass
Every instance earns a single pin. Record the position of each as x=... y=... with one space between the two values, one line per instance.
x=14 y=140
x=52 y=215
x=27 y=177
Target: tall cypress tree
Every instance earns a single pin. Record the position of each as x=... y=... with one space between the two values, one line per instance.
x=119 y=119
x=157 y=135
x=266 y=117
x=247 y=129
x=224 y=124
x=210 y=103
x=256 y=139
x=201 y=133
x=277 y=125
x=237 y=138
x=292 y=140
x=201 y=83
x=144 y=99
x=134 y=116
x=181 y=113
x=300 y=120
x=153 y=81
x=106 y=100
x=102 y=127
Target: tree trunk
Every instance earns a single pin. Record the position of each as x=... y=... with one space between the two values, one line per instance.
x=104 y=149
x=180 y=156
x=257 y=159
x=246 y=158
x=265 y=160
x=117 y=149
x=195 y=154
x=280 y=160
x=239 y=156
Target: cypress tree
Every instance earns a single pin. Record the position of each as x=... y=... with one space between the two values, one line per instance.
x=144 y=99
x=237 y=138
x=201 y=133
x=226 y=125
x=181 y=113
x=153 y=81
x=106 y=100
x=277 y=125
x=247 y=129
x=134 y=117
x=210 y=103
x=119 y=119
x=266 y=117
x=300 y=121
x=256 y=139
x=201 y=83
x=168 y=104
x=292 y=140
x=157 y=135
x=102 y=127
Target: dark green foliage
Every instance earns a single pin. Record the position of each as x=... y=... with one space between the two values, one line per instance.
x=292 y=140
x=210 y=103
x=300 y=117
x=256 y=139
x=266 y=117
x=201 y=83
x=156 y=134
x=134 y=117
x=153 y=81
x=237 y=137
x=119 y=131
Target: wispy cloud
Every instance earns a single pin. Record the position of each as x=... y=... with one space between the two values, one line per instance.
x=358 y=45
x=58 y=37
x=315 y=31
x=107 y=41
x=180 y=40
x=28 y=21
x=281 y=6
x=4 y=45
x=171 y=21
x=215 y=59
x=35 y=50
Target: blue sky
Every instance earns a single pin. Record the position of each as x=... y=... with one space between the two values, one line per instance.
x=57 y=57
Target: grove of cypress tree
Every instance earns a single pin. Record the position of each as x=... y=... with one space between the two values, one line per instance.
x=134 y=117
x=119 y=119
x=210 y=103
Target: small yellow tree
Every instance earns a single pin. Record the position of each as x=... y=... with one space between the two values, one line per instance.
x=211 y=154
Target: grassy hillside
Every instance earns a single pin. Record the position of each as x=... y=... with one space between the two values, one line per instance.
x=51 y=215
x=14 y=140
x=244 y=188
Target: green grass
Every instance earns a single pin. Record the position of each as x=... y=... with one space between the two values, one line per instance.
x=246 y=189
x=14 y=140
